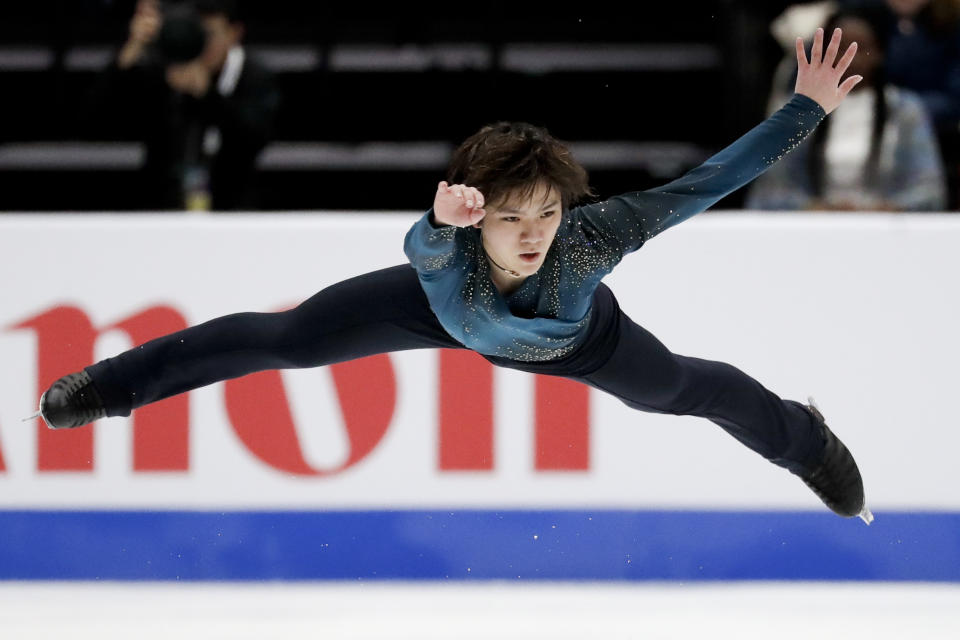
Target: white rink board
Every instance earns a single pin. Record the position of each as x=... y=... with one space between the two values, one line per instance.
x=860 y=311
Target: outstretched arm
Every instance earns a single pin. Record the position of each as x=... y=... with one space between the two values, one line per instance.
x=637 y=217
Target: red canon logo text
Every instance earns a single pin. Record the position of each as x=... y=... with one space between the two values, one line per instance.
x=260 y=415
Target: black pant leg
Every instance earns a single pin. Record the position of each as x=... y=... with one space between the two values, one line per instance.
x=378 y=312
x=645 y=375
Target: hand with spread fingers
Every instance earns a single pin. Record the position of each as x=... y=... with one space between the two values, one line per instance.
x=820 y=78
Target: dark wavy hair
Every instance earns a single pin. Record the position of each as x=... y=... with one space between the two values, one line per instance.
x=509 y=159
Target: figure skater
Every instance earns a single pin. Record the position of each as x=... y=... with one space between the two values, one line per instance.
x=504 y=264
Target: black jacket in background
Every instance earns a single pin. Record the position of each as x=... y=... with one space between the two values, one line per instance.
x=137 y=104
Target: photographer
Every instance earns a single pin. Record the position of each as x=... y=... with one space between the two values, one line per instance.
x=183 y=83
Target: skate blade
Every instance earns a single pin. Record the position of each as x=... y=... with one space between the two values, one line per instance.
x=39 y=413
x=866 y=515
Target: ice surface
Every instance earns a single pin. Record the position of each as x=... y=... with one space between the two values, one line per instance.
x=466 y=611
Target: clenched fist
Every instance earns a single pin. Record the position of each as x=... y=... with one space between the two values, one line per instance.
x=458 y=205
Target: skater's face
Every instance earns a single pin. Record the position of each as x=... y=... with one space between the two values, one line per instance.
x=518 y=232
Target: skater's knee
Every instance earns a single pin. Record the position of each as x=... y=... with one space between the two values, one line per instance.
x=695 y=387
x=314 y=333
x=335 y=306
x=710 y=387
x=668 y=391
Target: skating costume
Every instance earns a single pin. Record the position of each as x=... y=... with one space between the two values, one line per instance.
x=546 y=317
x=561 y=321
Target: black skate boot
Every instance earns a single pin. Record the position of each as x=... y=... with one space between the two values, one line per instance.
x=837 y=479
x=71 y=402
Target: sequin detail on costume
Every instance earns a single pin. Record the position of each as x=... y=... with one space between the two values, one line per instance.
x=547 y=316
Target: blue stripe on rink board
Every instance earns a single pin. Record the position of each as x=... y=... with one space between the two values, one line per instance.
x=472 y=544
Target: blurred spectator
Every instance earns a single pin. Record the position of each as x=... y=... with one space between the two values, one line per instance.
x=876 y=152
x=184 y=84
x=795 y=19
x=923 y=54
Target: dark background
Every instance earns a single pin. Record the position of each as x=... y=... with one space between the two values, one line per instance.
x=702 y=81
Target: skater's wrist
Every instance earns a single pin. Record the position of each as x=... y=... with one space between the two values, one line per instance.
x=806 y=103
x=432 y=219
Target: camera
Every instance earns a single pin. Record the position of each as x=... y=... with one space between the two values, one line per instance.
x=182 y=36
